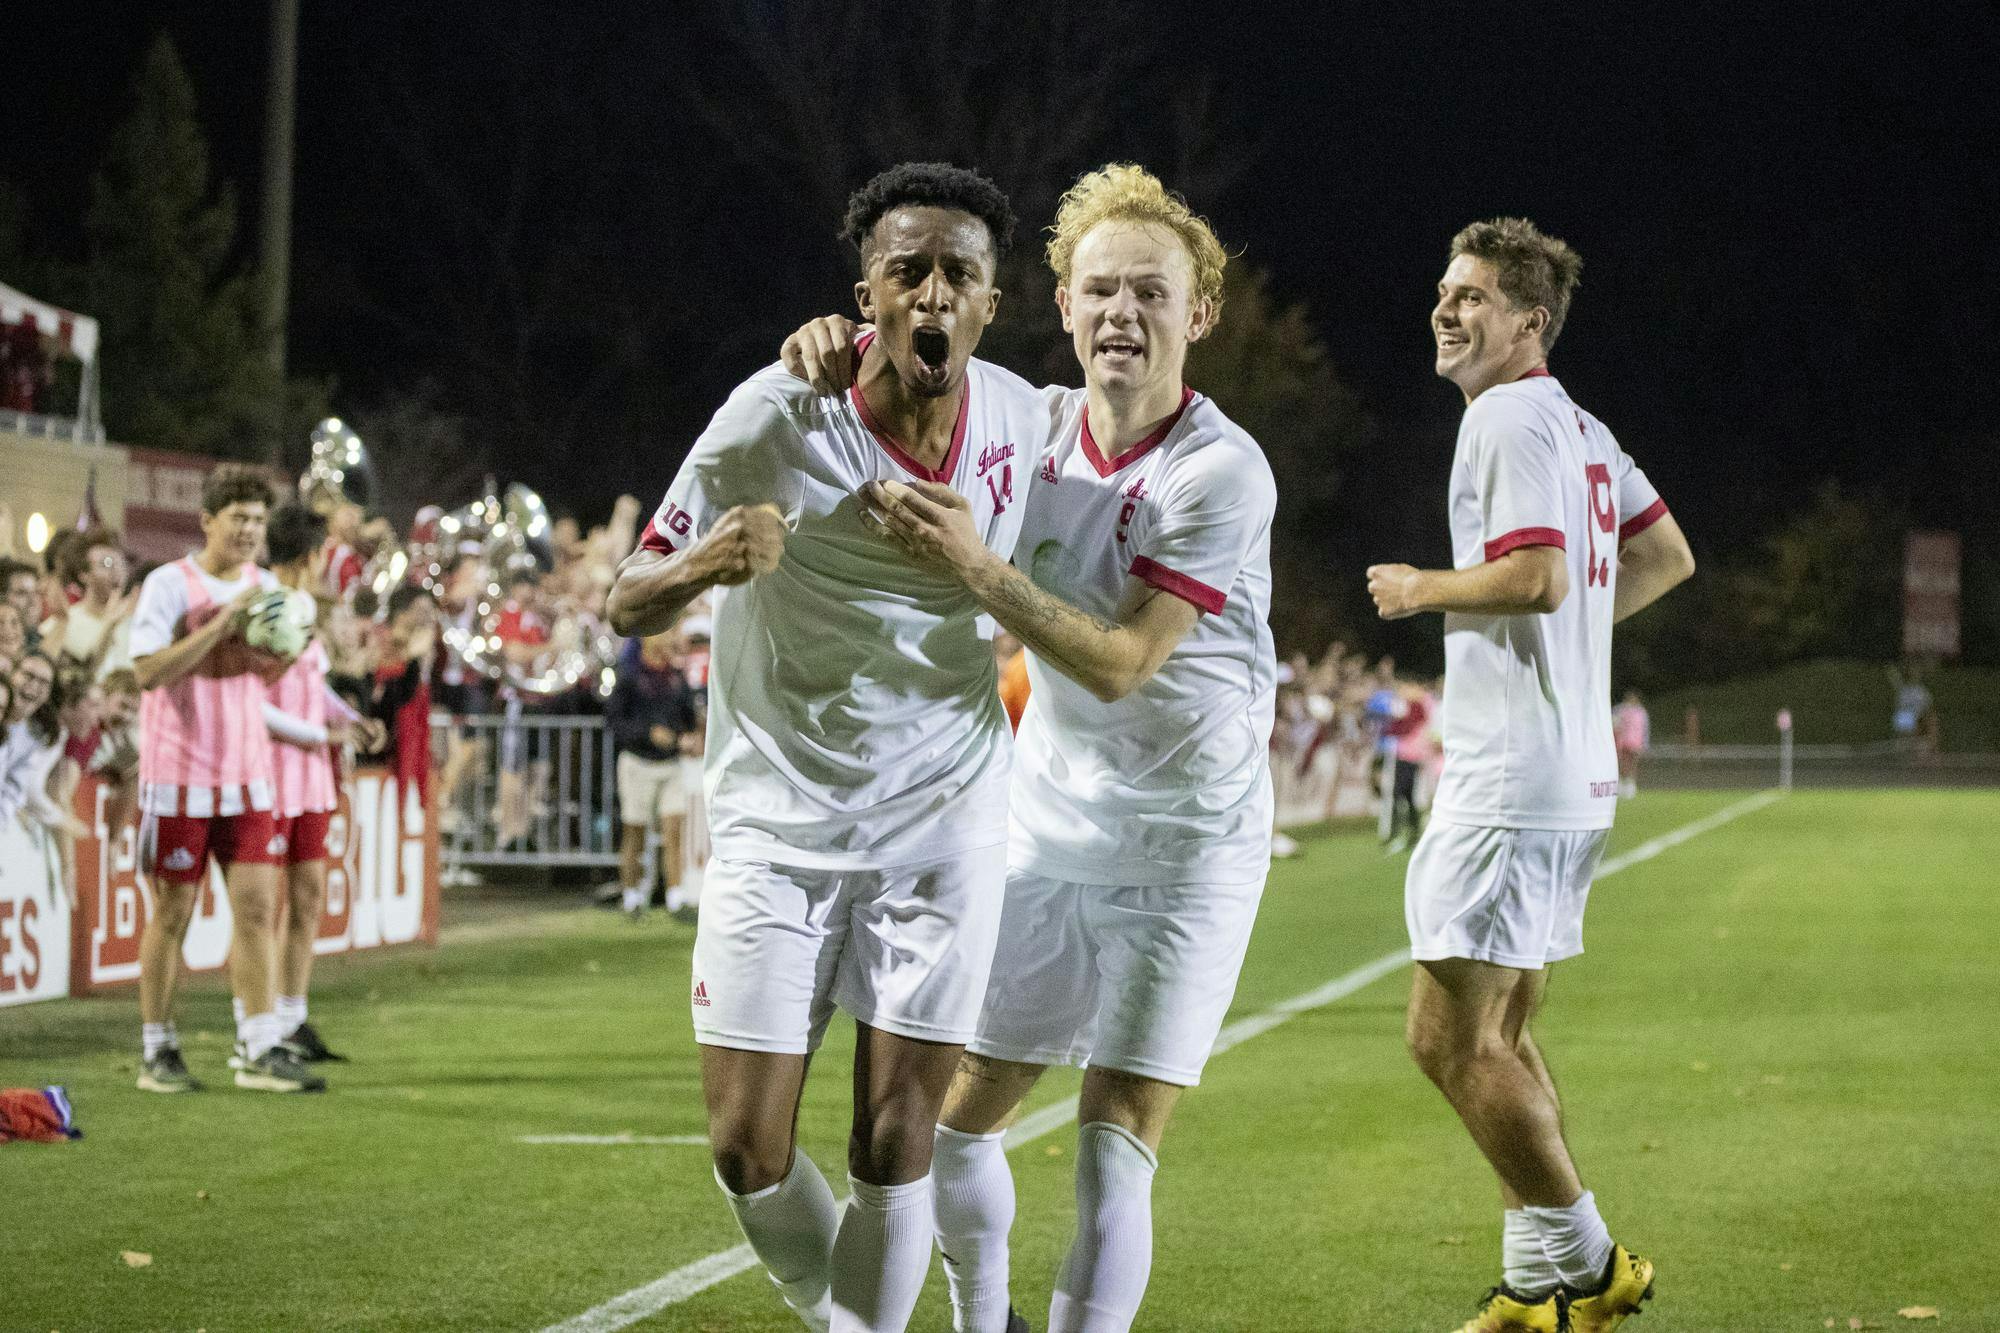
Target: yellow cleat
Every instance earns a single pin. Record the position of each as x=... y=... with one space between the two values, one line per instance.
x=1628 y=1282
x=1507 y=1311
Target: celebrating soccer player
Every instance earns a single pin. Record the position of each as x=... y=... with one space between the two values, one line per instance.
x=857 y=753
x=205 y=775
x=1141 y=801
x=1556 y=534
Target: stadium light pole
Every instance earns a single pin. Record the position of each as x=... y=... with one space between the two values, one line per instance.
x=281 y=96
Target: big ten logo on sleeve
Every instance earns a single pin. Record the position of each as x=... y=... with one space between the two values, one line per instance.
x=1603 y=518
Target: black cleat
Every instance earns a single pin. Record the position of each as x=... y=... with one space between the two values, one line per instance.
x=1015 y=1323
x=167 y=1072
x=305 y=1044
x=279 y=1070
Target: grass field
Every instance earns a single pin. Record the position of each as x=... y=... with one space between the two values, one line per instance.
x=1833 y=702
x=1777 y=1060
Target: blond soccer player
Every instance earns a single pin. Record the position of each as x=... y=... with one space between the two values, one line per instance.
x=1140 y=808
x=1556 y=534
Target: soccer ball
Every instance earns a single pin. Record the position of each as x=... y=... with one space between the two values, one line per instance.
x=281 y=623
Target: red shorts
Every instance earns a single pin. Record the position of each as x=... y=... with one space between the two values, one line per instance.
x=305 y=836
x=176 y=848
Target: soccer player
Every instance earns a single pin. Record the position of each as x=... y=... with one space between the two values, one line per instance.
x=1141 y=804
x=1556 y=534
x=205 y=774
x=306 y=720
x=857 y=757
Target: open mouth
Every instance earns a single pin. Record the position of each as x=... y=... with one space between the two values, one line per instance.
x=932 y=346
x=1118 y=350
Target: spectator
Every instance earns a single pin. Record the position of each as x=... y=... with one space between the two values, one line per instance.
x=524 y=772
x=116 y=759
x=13 y=638
x=1408 y=732
x=21 y=588
x=653 y=722
x=26 y=368
x=1632 y=732
x=341 y=560
x=402 y=699
x=94 y=633
x=79 y=706
x=459 y=688
x=30 y=745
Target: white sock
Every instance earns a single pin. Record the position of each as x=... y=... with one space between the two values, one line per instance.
x=1525 y=1266
x=791 y=1226
x=291 y=1013
x=1104 y=1278
x=677 y=897
x=237 y=1010
x=1576 y=1241
x=881 y=1257
x=258 y=1033
x=155 y=1037
x=974 y=1207
x=634 y=898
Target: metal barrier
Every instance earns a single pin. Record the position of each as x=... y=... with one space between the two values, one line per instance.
x=526 y=790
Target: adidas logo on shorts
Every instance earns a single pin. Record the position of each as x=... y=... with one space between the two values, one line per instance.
x=701 y=993
x=180 y=859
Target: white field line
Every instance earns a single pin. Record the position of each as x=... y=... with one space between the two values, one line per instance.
x=691 y=1279
x=619 y=1140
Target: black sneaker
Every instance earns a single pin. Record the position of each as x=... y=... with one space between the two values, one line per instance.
x=1015 y=1323
x=305 y=1043
x=167 y=1072
x=279 y=1070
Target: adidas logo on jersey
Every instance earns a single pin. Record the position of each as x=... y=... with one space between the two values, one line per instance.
x=701 y=993
x=1049 y=470
x=179 y=859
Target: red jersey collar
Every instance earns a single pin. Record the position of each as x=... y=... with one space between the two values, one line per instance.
x=1106 y=466
x=893 y=447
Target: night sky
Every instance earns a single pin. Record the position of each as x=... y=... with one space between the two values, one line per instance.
x=1786 y=214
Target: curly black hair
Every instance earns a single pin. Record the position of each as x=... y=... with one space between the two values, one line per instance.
x=294 y=533
x=938 y=184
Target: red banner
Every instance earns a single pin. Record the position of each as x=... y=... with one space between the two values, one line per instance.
x=381 y=884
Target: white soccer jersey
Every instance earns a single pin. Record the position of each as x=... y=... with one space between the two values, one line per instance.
x=1171 y=784
x=854 y=716
x=1527 y=699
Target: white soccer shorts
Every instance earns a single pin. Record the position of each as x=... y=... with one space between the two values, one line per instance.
x=906 y=950
x=1509 y=896
x=1135 y=979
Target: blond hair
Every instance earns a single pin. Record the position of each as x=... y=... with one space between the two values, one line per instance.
x=1122 y=192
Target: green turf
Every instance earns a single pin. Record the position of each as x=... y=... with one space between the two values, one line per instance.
x=1833 y=702
x=1774 y=1058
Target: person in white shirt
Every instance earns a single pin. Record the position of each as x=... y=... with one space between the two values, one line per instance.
x=857 y=750
x=1141 y=803
x=96 y=630
x=1556 y=534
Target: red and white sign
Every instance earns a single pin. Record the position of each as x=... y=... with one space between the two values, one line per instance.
x=34 y=920
x=1930 y=594
x=381 y=885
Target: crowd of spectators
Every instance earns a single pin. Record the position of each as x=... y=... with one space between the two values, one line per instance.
x=1349 y=735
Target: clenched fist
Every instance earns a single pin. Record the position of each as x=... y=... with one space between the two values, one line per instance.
x=745 y=542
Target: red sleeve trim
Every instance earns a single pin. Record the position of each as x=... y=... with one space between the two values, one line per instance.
x=1520 y=537
x=656 y=541
x=1193 y=591
x=1642 y=520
